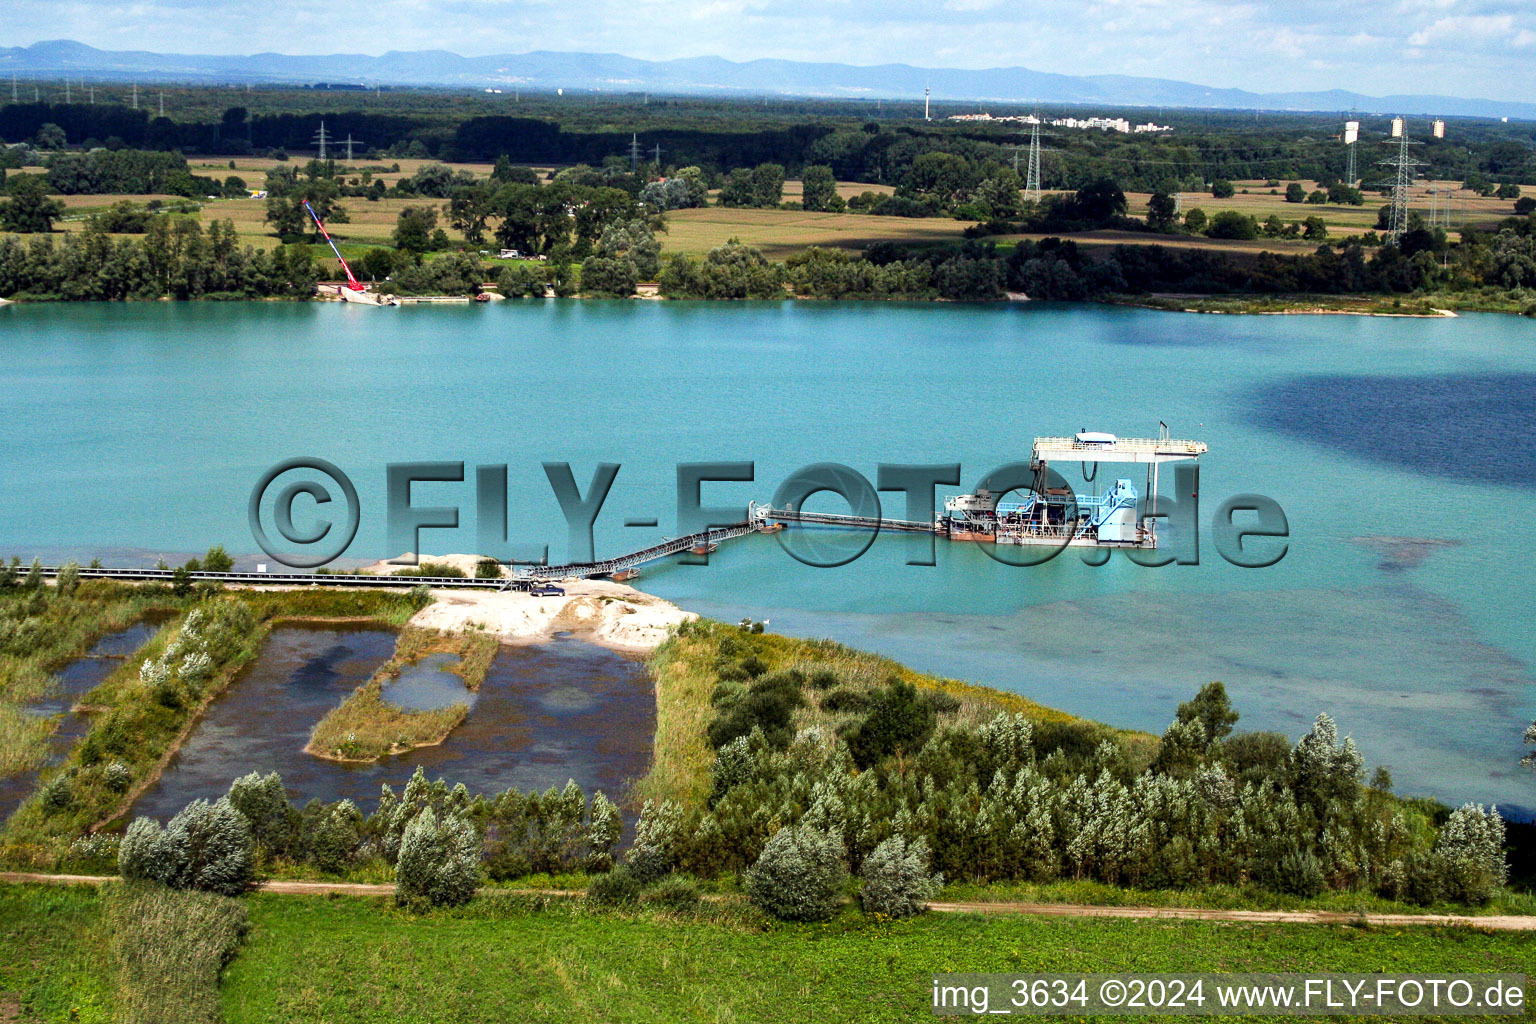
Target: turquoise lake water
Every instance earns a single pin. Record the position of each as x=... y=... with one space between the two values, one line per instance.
x=1400 y=449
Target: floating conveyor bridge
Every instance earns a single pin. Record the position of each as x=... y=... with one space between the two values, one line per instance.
x=1084 y=447
x=761 y=519
x=767 y=514
x=635 y=559
x=287 y=579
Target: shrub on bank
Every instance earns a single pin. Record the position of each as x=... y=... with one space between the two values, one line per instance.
x=1042 y=798
x=206 y=847
x=439 y=861
x=898 y=722
x=1467 y=864
x=897 y=879
x=264 y=803
x=616 y=888
x=800 y=875
x=768 y=703
x=334 y=839
x=657 y=835
x=674 y=894
x=211 y=633
x=604 y=830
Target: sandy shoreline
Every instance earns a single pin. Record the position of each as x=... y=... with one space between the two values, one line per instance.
x=602 y=612
x=1153 y=300
x=598 y=611
x=1435 y=315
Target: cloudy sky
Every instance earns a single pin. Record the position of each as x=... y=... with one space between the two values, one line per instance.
x=1484 y=48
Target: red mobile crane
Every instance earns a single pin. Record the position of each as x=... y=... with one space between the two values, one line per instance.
x=352 y=282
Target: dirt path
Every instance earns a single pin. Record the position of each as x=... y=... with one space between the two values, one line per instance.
x=278 y=885
x=1493 y=922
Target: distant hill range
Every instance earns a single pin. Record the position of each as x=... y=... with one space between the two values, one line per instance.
x=715 y=76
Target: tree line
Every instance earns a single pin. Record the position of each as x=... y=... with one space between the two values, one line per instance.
x=175 y=258
x=1008 y=797
x=130 y=172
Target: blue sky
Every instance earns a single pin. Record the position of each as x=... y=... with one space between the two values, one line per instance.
x=1456 y=47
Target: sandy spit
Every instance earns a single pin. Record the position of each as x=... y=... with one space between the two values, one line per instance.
x=599 y=611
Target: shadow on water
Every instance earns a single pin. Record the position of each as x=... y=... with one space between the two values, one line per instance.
x=74 y=681
x=1472 y=427
x=545 y=713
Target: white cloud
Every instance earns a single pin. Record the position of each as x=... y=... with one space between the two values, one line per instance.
x=1477 y=26
x=1465 y=47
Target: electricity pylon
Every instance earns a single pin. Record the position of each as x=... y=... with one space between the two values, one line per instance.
x=322 y=138
x=1401 y=181
x=1032 y=181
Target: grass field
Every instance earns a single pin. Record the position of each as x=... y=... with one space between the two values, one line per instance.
x=254 y=168
x=1111 y=237
x=781 y=232
x=507 y=960
x=529 y=958
x=55 y=955
x=777 y=232
x=1466 y=207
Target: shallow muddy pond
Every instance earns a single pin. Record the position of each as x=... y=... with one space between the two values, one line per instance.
x=545 y=713
x=428 y=684
x=75 y=680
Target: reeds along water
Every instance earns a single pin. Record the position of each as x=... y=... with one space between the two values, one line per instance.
x=73 y=681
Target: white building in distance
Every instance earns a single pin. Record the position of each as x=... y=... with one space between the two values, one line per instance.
x=1103 y=124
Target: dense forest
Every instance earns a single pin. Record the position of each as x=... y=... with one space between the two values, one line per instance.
x=859 y=143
